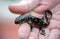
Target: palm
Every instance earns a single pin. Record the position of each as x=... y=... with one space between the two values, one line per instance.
x=50 y=31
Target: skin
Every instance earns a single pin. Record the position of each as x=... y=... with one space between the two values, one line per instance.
x=37 y=9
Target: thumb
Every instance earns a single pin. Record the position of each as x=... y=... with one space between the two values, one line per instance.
x=46 y=5
x=24 y=6
x=41 y=8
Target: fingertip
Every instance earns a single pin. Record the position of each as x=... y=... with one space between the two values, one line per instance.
x=16 y=9
x=24 y=31
x=11 y=8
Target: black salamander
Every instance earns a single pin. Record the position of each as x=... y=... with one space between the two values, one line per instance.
x=35 y=21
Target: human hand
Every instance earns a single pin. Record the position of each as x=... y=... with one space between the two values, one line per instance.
x=52 y=31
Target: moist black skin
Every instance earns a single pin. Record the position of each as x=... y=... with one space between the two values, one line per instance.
x=35 y=21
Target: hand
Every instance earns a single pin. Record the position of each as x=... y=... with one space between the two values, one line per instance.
x=52 y=31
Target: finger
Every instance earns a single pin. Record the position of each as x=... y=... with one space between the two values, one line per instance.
x=18 y=8
x=34 y=34
x=41 y=8
x=55 y=34
x=46 y=35
x=24 y=31
x=46 y=5
x=24 y=6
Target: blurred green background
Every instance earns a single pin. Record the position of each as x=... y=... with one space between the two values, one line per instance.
x=8 y=29
x=4 y=11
